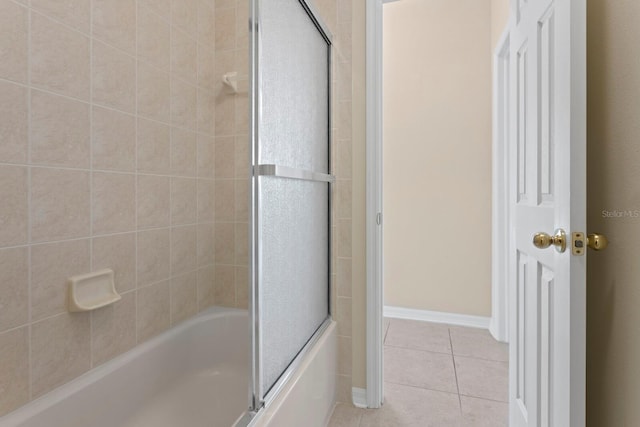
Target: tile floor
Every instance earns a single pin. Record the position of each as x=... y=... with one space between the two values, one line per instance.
x=437 y=376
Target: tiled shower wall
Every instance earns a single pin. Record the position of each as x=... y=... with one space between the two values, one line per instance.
x=232 y=154
x=106 y=160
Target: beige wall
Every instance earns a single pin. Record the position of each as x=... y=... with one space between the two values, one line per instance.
x=437 y=155
x=106 y=160
x=499 y=19
x=613 y=165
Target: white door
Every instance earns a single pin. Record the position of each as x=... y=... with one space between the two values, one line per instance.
x=548 y=192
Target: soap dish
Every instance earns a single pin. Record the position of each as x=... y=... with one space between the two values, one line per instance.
x=91 y=291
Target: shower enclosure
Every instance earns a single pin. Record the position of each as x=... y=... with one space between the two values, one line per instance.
x=290 y=214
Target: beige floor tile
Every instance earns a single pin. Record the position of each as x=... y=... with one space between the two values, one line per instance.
x=468 y=342
x=414 y=407
x=385 y=328
x=345 y=416
x=486 y=379
x=419 y=335
x=484 y=413
x=419 y=368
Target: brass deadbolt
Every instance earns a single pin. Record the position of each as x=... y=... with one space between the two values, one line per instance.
x=597 y=242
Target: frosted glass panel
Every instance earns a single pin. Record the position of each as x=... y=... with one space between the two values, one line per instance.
x=295 y=264
x=294 y=88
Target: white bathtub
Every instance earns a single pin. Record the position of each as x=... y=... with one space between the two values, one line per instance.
x=193 y=375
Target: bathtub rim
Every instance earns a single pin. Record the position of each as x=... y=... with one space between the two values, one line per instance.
x=60 y=393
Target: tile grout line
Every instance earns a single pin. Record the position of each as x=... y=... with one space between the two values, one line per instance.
x=455 y=371
x=29 y=209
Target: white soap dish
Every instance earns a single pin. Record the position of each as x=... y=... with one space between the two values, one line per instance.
x=91 y=291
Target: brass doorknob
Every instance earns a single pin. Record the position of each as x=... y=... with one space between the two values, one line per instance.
x=597 y=242
x=543 y=240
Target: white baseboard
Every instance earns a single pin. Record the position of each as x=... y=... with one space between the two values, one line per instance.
x=437 y=317
x=359 y=397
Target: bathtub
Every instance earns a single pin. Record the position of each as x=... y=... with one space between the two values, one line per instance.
x=193 y=375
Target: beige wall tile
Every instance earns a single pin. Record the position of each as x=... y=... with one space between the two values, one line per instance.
x=153 y=256
x=206 y=22
x=154 y=147
x=14 y=124
x=225 y=28
x=13 y=41
x=343 y=316
x=205 y=200
x=242 y=24
x=224 y=242
x=206 y=287
x=206 y=111
x=225 y=108
x=59 y=204
x=344 y=238
x=224 y=157
x=184 y=57
x=242 y=287
x=153 y=37
x=224 y=279
x=343 y=194
x=206 y=66
x=60 y=350
x=242 y=200
x=344 y=355
x=224 y=201
x=184 y=15
x=183 y=152
x=242 y=243
x=114 y=202
x=242 y=158
x=59 y=131
x=14 y=369
x=114 y=140
x=154 y=201
x=59 y=58
x=14 y=287
x=205 y=156
x=162 y=7
x=153 y=93
x=13 y=209
x=183 y=201
x=114 y=22
x=242 y=115
x=183 y=249
x=184 y=297
x=183 y=104
x=225 y=61
x=224 y=4
x=75 y=13
x=113 y=78
x=154 y=310
x=117 y=253
x=205 y=245
x=343 y=277
x=344 y=159
x=51 y=266
x=113 y=329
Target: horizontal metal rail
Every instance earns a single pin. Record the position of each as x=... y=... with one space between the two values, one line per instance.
x=292 y=173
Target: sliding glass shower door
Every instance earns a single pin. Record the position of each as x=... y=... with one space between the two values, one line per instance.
x=290 y=187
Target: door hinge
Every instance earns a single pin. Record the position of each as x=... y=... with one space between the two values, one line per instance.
x=379 y=218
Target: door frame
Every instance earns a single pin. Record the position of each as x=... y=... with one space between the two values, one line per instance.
x=374 y=203
x=500 y=215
